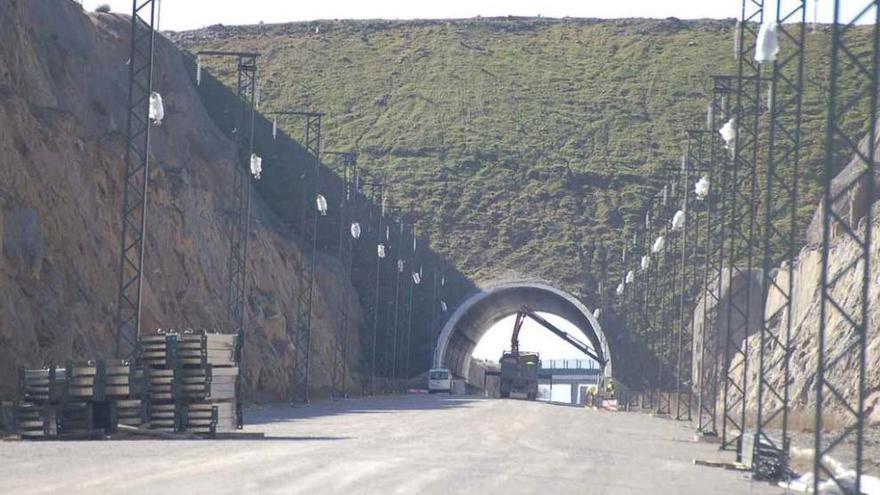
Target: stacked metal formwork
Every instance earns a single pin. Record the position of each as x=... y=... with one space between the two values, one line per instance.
x=132 y=236
x=192 y=381
x=846 y=215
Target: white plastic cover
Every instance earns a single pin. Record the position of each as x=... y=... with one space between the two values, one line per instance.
x=321 y=203
x=678 y=220
x=701 y=188
x=157 y=110
x=380 y=250
x=728 y=132
x=658 y=245
x=257 y=92
x=400 y=264
x=648 y=220
x=256 y=165
x=387 y=232
x=646 y=262
x=355 y=230
x=620 y=289
x=630 y=277
x=198 y=71
x=597 y=313
x=767 y=45
x=442 y=280
x=417 y=278
x=274 y=128
x=443 y=306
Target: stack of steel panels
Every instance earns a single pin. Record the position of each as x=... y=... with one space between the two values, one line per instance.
x=192 y=381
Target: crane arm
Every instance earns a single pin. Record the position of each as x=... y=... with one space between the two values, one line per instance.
x=526 y=311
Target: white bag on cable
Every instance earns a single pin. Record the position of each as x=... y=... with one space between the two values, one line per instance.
x=355 y=230
x=767 y=44
x=321 y=203
x=256 y=165
x=157 y=110
x=380 y=250
x=701 y=188
x=678 y=220
x=646 y=262
x=597 y=313
x=620 y=288
x=728 y=132
x=630 y=277
x=658 y=245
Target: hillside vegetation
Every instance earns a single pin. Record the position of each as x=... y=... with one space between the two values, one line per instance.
x=518 y=142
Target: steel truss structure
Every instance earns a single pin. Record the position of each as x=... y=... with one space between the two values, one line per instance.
x=770 y=458
x=377 y=197
x=406 y=337
x=846 y=215
x=309 y=214
x=393 y=330
x=713 y=262
x=132 y=235
x=663 y=302
x=740 y=216
x=688 y=283
x=348 y=206
x=645 y=303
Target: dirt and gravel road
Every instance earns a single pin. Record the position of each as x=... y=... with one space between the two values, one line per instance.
x=385 y=445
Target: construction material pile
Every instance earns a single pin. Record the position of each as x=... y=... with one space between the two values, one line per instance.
x=80 y=400
x=180 y=382
x=192 y=381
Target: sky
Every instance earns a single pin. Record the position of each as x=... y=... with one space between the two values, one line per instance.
x=190 y=14
x=533 y=337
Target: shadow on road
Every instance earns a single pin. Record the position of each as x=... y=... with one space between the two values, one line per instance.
x=365 y=405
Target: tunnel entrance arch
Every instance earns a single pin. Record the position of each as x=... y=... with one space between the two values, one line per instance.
x=479 y=311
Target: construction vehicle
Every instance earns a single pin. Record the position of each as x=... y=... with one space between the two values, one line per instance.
x=519 y=370
x=519 y=375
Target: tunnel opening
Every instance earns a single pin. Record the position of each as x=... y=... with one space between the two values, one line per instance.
x=481 y=310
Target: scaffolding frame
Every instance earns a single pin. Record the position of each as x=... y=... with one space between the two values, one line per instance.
x=713 y=268
x=348 y=202
x=311 y=187
x=770 y=458
x=133 y=229
x=856 y=192
x=741 y=218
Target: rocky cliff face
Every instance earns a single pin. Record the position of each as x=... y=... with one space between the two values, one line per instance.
x=805 y=312
x=63 y=89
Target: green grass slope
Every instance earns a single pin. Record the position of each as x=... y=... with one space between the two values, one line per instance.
x=518 y=142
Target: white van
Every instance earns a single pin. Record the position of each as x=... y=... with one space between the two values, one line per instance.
x=439 y=380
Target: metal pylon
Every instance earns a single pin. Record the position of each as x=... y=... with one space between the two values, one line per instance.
x=714 y=248
x=846 y=216
x=132 y=235
x=742 y=228
x=688 y=284
x=780 y=232
x=309 y=215
x=348 y=213
x=239 y=228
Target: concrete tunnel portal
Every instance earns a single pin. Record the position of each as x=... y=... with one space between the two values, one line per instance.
x=472 y=319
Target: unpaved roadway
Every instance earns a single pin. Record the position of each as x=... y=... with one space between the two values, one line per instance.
x=386 y=445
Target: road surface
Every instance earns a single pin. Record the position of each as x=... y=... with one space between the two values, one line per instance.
x=387 y=445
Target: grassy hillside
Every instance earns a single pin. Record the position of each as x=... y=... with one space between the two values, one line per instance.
x=519 y=142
